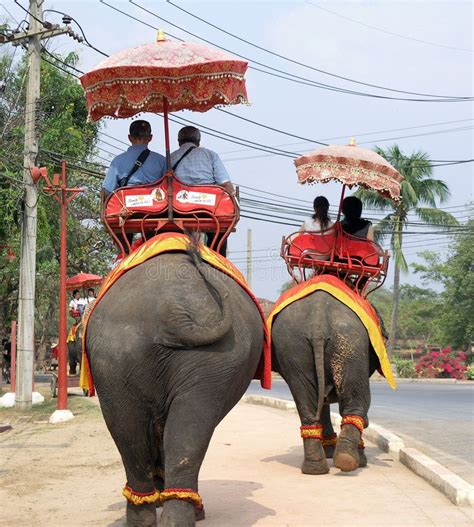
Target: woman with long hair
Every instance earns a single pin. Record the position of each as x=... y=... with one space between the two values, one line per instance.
x=320 y=220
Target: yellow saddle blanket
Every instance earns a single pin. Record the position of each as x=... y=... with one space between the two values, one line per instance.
x=361 y=307
x=168 y=242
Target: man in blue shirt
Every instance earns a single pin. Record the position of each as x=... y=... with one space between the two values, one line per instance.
x=148 y=168
x=194 y=165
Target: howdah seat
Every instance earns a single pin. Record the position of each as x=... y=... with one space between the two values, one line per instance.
x=169 y=205
x=359 y=262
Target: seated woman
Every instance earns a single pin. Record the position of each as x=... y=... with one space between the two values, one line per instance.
x=352 y=223
x=320 y=220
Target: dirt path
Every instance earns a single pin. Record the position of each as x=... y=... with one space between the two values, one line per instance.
x=71 y=475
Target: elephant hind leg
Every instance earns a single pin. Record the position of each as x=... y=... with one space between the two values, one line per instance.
x=346 y=454
x=189 y=427
x=134 y=442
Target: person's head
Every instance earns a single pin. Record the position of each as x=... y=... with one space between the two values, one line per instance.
x=321 y=208
x=352 y=208
x=189 y=134
x=140 y=132
x=90 y=292
x=76 y=294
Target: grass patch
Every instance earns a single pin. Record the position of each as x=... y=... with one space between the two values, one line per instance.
x=82 y=407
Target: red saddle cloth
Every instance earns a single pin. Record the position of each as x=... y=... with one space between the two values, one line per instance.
x=172 y=242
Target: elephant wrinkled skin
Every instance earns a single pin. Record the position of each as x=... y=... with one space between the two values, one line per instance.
x=322 y=350
x=173 y=346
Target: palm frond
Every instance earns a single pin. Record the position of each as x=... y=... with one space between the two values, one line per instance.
x=435 y=216
x=429 y=190
x=399 y=257
x=382 y=228
x=371 y=198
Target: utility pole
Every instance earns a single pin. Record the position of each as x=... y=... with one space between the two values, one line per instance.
x=37 y=31
x=26 y=304
x=249 y=258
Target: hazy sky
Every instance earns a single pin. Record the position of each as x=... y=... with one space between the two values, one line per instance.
x=442 y=64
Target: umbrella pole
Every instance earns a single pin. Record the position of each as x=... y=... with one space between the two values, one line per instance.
x=167 y=134
x=340 y=202
x=168 y=160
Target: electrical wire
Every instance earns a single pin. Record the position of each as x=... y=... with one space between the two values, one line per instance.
x=298 y=63
x=297 y=78
x=386 y=31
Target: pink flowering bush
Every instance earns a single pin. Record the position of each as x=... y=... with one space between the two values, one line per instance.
x=442 y=364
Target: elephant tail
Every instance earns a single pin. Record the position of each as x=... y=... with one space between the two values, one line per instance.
x=190 y=334
x=318 y=351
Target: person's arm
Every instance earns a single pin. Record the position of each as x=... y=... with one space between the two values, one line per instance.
x=370 y=233
x=229 y=187
x=110 y=181
x=221 y=176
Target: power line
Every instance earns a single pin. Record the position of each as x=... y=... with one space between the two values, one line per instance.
x=286 y=75
x=293 y=61
x=386 y=31
x=356 y=135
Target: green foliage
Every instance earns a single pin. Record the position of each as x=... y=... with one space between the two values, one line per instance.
x=457 y=276
x=63 y=128
x=469 y=375
x=405 y=367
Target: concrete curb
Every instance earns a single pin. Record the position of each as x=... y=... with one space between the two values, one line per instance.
x=457 y=490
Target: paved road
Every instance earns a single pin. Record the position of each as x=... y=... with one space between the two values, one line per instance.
x=436 y=418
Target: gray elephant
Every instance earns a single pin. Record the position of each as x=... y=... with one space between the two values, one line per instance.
x=323 y=351
x=173 y=345
x=74 y=354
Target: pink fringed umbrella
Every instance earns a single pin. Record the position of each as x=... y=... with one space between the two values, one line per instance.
x=165 y=76
x=83 y=280
x=352 y=166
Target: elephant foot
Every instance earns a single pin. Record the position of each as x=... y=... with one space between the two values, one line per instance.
x=346 y=455
x=141 y=515
x=314 y=458
x=200 y=513
x=362 y=459
x=329 y=444
x=329 y=451
x=178 y=513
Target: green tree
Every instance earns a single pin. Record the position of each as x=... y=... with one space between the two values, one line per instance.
x=457 y=276
x=65 y=133
x=419 y=193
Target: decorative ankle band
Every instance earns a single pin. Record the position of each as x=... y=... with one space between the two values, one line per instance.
x=139 y=498
x=182 y=494
x=356 y=420
x=329 y=440
x=361 y=444
x=312 y=431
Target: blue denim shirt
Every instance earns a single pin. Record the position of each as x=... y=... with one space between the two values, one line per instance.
x=152 y=169
x=200 y=167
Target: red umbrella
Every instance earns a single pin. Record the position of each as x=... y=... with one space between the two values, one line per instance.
x=352 y=166
x=83 y=280
x=162 y=77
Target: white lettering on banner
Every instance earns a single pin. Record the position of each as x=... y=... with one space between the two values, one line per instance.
x=198 y=198
x=143 y=200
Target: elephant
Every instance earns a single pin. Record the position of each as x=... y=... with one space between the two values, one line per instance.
x=74 y=354
x=322 y=350
x=173 y=344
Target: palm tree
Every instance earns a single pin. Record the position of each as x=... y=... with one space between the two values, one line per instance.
x=419 y=192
